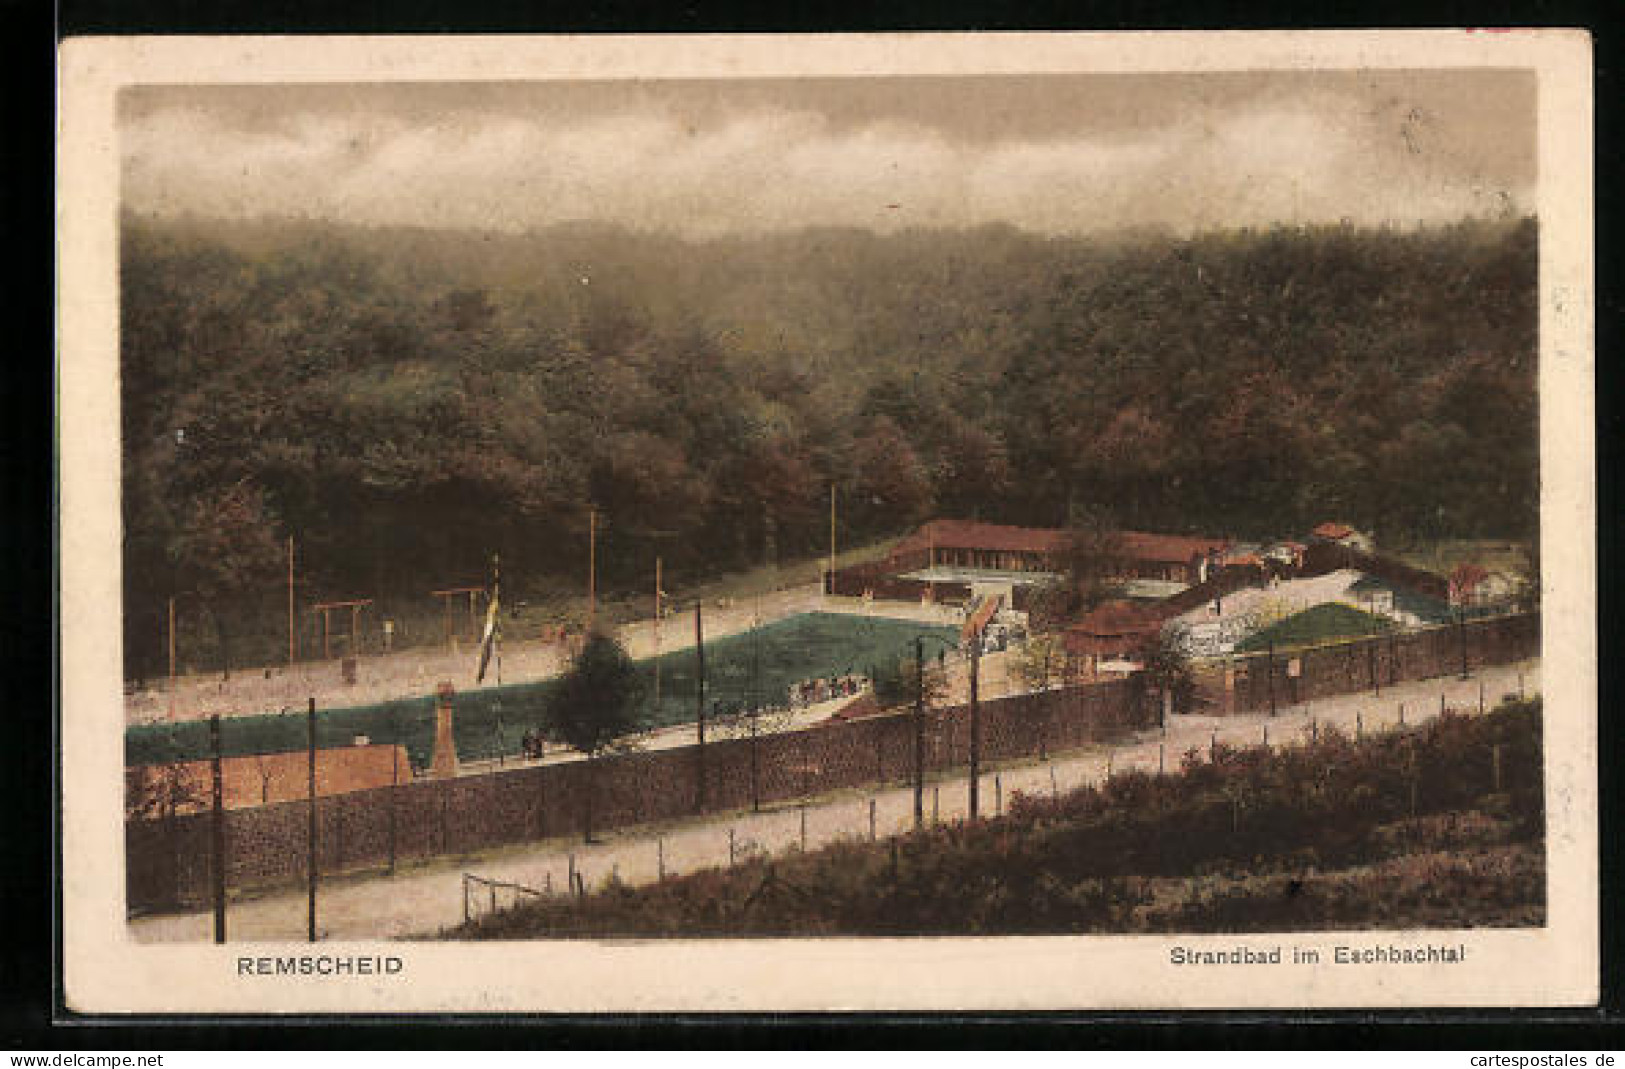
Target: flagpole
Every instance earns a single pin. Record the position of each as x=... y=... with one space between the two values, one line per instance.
x=496 y=600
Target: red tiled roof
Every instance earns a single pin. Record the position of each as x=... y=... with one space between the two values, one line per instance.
x=1120 y=618
x=1171 y=549
x=1332 y=530
x=266 y=779
x=967 y=534
x=1134 y=545
x=1466 y=576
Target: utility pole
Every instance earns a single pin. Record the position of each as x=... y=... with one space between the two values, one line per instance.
x=975 y=725
x=592 y=565
x=1461 y=629
x=829 y=582
x=919 y=732
x=756 y=706
x=658 y=593
x=293 y=633
x=171 y=660
x=310 y=860
x=699 y=702
x=218 y=836
x=1272 y=676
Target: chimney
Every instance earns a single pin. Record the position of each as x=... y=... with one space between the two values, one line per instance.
x=444 y=765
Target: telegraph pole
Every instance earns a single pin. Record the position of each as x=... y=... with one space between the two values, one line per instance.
x=975 y=725
x=829 y=583
x=310 y=861
x=657 y=632
x=919 y=732
x=592 y=565
x=218 y=836
x=293 y=648
x=699 y=701
x=171 y=660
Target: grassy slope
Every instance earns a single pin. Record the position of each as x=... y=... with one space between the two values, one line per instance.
x=1323 y=623
x=1397 y=831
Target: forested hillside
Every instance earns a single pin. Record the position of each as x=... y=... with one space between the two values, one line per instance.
x=406 y=402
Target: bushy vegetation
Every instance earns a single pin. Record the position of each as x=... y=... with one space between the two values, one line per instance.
x=1442 y=824
x=407 y=402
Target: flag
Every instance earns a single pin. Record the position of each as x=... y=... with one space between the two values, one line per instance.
x=489 y=639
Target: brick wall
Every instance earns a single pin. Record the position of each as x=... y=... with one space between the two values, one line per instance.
x=168 y=860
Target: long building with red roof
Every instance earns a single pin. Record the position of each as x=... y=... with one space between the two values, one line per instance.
x=968 y=544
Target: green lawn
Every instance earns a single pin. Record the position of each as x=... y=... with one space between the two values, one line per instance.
x=762 y=662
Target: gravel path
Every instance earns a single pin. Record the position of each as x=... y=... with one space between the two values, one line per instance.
x=429 y=898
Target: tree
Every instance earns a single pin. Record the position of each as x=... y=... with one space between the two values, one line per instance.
x=1168 y=669
x=226 y=554
x=1041 y=661
x=594 y=704
x=899 y=683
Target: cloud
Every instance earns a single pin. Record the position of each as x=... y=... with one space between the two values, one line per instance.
x=1320 y=157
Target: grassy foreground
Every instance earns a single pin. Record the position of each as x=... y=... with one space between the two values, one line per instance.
x=1442 y=826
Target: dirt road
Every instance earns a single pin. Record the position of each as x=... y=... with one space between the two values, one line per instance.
x=428 y=898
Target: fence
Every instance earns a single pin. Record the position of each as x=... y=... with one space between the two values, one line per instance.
x=168 y=859
x=1255 y=681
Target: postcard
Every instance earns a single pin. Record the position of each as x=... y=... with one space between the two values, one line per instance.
x=920 y=522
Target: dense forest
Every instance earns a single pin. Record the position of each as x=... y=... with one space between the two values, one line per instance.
x=407 y=401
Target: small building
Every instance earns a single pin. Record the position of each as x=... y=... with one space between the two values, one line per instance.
x=965 y=545
x=1285 y=554
x=1474 y=587
x=1341 y=534
x=1114 y=631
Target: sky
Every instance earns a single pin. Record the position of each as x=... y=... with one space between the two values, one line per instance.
x=1055 y=154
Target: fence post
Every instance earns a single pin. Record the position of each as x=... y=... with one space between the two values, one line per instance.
x=1054 y=790
x=1401 y=714
x=998 y=795
x=1520 y=686
x=1213 y=747
x=493 y=888
x=1266 y=736
x=1161 y=748
x=660 y=858
x=803 y=829
x=465 y=898
x=1359 y=725
x=571 y=877
x=936 y=803
x=730 y=848
x=1480 y=695
x=871 y=820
